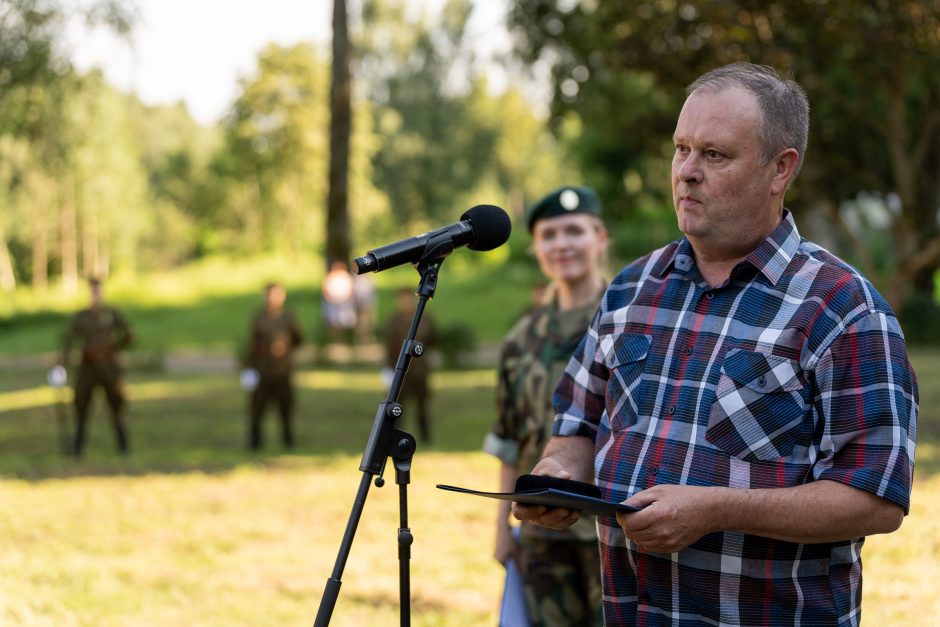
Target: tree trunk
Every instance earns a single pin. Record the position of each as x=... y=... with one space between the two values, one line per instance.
x=90 y=260
x=7 y=278
x=41 y=244
x=337 y=203
x=68 y=239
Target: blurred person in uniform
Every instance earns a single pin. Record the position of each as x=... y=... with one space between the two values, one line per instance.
x=415 y=385
x=364 y=299
x=339 y=302
x=102 y=332
x=275 y=334
x=560 y=569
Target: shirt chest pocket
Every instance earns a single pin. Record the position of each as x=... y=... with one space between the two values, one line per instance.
x=758 y=409
x=625 y=358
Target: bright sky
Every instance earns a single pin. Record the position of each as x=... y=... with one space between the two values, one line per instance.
x=196 y=50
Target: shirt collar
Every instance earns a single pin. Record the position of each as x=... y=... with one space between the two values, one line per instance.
x=771 y=257
x=775 y=253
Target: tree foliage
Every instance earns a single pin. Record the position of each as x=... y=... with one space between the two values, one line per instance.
x=273 y=164
x=94 y=182
x=446 y=141
x=869 y=69
x=44 y=102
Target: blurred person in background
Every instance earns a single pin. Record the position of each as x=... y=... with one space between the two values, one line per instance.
x=102 y=332
x=560 y=569
x=415 y=386
x=339 y=303
x=364 y=298
x=275 y=333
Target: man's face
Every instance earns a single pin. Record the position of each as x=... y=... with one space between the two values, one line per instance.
x=275 y=297
x=722 y=195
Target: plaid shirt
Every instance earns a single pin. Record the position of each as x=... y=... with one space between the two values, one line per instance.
x=793 y=371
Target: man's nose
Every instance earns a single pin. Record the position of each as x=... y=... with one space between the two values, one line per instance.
x=688 y=170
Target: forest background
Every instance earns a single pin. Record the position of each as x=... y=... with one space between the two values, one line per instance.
x=188 y=220
x=93 y=182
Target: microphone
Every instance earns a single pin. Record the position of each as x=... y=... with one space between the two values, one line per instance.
x=483 y=227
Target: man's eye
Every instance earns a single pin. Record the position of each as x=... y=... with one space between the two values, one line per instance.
x=712 y=154
x=681 y=149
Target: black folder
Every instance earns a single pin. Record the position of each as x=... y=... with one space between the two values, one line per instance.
x=553 y=492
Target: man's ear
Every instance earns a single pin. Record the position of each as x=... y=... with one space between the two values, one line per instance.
x=785 y=165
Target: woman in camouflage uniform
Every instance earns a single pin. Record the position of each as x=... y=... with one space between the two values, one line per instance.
x=560 y=569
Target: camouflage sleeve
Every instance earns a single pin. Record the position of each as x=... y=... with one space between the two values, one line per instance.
x=123 y=334
x=502 y=441
x=432 y=337
x=296 y=335
x=67 y=340
x=255 y=341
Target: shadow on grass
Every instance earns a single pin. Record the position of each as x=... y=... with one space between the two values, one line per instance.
x=197 y=423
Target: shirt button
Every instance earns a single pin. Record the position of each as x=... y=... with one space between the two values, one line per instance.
x=671 y=410
x=761 y=382
x=654 y=470
x=688 y=350
x=709 y=295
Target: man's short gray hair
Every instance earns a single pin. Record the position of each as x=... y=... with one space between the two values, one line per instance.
x=783 y=104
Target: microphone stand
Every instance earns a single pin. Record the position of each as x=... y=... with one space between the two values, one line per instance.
x=385 y=441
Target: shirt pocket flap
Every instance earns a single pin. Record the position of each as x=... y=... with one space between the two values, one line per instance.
x=762 y=372
x=628 y=348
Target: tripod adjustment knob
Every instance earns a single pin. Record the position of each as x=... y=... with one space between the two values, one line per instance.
x=417 y=349
x=394 y=410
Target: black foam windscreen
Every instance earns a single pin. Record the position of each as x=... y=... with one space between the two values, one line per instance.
x=491 y=226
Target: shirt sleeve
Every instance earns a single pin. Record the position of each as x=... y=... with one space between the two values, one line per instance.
x=255 y=343
x=68 y=339
x=503 y=439
x=579 y=400
x=124 y=334
x=867 y=397
x=296 y=335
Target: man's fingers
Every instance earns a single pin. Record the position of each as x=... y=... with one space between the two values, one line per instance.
x=552 y=517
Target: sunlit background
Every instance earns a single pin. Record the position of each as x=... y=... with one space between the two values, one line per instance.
x=180 y=150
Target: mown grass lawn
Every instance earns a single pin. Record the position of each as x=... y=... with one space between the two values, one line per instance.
x=193 y=530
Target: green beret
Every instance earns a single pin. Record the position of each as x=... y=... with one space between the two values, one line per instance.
x=563 y=201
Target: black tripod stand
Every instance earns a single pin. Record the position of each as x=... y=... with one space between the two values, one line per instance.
x=385 y=441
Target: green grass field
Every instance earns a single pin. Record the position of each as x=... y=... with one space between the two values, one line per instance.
x=208 y=304
x=193 y=530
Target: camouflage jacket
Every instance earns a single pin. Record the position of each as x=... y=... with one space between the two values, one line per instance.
x=274 y=336
x=534 y=355
x=101 y=331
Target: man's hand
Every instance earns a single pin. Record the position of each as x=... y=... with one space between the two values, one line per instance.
x=551 y=517
x=565 y=457
x=672 y=518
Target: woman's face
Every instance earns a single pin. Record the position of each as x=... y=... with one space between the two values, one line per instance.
x=569 y=247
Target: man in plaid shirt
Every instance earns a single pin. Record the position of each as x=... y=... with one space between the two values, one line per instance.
x=747 y=389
